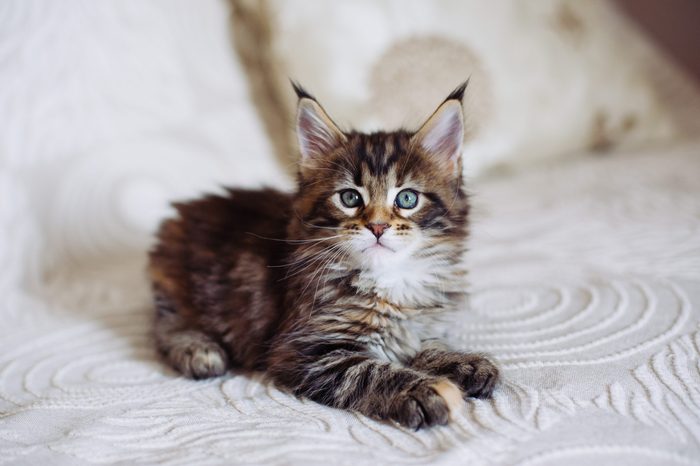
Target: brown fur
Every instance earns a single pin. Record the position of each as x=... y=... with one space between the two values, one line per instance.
x=270 y=281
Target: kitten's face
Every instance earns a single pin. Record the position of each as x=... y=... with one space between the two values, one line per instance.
x=384 y=199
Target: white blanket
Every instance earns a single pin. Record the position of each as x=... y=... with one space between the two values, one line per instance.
x=585 y=276
x=585 y=287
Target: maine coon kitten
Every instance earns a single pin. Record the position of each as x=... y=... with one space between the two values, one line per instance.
x=331 y=290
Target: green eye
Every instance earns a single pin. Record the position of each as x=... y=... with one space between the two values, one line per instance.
x=407 y=199
x=350 y=198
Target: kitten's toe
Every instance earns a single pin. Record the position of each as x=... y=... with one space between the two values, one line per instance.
x=207 y=362
x=198 y=357
x=408 y=413
x=420 y=407
x=478 y=377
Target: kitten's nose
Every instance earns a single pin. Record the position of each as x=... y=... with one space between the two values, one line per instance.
x=378 y=229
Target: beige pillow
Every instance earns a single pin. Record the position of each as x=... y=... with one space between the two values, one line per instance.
x=548 y=78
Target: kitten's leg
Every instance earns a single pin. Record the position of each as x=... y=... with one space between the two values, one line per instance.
x=350 y=380
x=474 y=373
x=190 y=351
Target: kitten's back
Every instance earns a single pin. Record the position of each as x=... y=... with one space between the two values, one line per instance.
x=213 y=272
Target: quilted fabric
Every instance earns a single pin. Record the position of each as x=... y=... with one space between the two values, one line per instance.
x=585 y=286
x=585 y=276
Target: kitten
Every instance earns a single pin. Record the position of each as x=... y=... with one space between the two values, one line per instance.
x=331 y=290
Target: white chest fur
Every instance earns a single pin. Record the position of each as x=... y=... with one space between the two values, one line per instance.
x=414 y=285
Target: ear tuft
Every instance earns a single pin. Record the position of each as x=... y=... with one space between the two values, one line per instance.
x=458 y=93
x=300 y=91
x=442 y=135
x=316 y=132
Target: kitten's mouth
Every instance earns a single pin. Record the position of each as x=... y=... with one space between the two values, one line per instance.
x=378 y=246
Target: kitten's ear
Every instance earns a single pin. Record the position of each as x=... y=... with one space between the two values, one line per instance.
x=442 y=135
x=316 y=133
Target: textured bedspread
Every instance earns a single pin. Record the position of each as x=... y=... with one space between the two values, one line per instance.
x=585 y=282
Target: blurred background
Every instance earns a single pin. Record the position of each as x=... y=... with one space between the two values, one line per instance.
x=110 y=110
x=582 y=156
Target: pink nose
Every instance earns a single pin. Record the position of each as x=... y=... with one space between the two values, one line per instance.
x=377 y=229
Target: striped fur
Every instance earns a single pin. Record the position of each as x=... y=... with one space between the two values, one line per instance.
x=301 y=286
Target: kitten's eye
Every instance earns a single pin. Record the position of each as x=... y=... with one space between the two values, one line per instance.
x=407 y=199
x=350 y=198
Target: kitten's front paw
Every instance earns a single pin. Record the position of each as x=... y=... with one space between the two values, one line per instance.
x=199 y=359
x=476 y=375
x=421 y=406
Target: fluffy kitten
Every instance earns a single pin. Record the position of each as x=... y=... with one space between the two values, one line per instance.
x=331 y=290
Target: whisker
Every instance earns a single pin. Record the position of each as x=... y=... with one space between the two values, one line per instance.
x=293 y=241
x=306 y=259
x=315 y=274
x=320 y=226
x=326 y=269
x=307 y=263
x=315 y=259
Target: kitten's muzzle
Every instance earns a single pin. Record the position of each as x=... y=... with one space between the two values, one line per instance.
x=378 y=229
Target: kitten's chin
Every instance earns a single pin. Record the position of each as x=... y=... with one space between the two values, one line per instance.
x=376 y=254
x=379 y=255
x=378 y=248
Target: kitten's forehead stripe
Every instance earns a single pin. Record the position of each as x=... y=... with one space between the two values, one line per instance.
x=378 y=152
x=357 y=175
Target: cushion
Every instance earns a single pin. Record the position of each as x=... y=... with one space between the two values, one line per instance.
x=546 y=78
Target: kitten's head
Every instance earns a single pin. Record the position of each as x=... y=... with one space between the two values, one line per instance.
x=385 y=198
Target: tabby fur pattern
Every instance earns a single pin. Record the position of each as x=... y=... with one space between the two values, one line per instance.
x=333 y=290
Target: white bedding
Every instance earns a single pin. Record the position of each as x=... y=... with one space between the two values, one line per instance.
x=585 y=276
x=586 y=287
